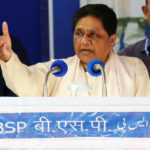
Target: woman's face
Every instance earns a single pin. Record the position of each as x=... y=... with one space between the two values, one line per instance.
x=91 y=41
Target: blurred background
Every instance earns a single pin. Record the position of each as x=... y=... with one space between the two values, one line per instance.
x=45 y=26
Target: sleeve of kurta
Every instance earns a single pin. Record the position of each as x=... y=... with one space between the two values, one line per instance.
x=142 y=80
x=24 y=80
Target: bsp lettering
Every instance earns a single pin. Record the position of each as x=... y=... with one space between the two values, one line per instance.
x=12 y=127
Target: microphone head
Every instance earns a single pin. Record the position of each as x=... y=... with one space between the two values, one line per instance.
x=62 y=66
x=91 y=68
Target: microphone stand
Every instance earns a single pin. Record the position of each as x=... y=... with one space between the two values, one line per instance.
x=54 y=70
x=104 y=89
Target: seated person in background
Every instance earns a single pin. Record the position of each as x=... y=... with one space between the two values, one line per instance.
x=19 y=49
x=141 y=49
x=94 y=38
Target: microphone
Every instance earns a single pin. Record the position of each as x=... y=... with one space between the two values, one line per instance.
x=58 y=68
x=96 y=68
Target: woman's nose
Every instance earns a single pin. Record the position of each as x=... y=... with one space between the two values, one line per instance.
x=86 y=40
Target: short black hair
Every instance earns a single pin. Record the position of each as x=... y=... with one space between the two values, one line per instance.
x=146 y=1
x=105 y=14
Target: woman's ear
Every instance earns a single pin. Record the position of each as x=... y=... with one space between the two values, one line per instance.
x=113 y=39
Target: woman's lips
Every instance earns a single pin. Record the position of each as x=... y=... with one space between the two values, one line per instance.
x=86 y=51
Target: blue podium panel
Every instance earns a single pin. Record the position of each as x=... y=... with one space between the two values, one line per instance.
x=76 y=120
x=75 y=124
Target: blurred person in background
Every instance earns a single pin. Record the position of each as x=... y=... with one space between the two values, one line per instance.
x=141 y=49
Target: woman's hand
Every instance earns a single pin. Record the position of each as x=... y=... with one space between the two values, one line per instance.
x=5 y=44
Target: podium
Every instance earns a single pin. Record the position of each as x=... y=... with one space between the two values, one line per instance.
x=74 y=123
